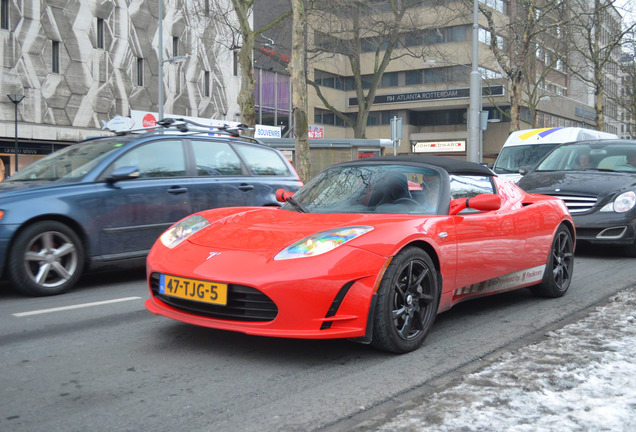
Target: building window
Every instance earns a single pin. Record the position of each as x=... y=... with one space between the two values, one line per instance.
x=413 y=77
x=100 y=33
x=140 y=71
x=206 y=83
x=55 y=57
x=4 y=14
x=235 y=63
x=486 y=37
x=175 y=46
x=389 y=79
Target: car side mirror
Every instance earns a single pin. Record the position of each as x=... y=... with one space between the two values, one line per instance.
x=123 y=173
x=483 y=202
x=283 y=196
x=524 y=170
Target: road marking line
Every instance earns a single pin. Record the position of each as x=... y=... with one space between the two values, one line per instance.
x=79 y=306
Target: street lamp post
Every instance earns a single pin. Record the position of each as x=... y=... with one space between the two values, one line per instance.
x=16 y=99
x=474 y=141
x=160 y=60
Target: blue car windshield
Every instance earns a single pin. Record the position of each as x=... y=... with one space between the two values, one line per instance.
x=371 y=188
x=71 y=163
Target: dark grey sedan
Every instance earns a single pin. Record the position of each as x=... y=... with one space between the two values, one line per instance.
x=597 y=181
x=105 y=201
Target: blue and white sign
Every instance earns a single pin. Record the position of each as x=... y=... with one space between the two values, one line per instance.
x=263 y=131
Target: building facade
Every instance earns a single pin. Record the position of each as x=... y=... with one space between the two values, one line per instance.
x=426 y=85
x=78 y=65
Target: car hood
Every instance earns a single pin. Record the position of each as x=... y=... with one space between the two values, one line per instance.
x=591 y=183
x=266 y=228
x=20 y=185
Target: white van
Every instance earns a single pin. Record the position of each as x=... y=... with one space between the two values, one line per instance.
x=525 y=148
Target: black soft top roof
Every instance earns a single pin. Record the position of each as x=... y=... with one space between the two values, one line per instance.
x=452 y=166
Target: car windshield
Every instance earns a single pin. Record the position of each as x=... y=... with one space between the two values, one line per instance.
x=370 y=188
x=70 y=163
x=512 y=158
x=591 y=156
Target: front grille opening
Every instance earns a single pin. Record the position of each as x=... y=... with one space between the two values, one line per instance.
x=244 y=303
x=577 y=204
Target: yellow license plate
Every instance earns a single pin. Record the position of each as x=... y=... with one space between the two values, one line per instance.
x=192 y=289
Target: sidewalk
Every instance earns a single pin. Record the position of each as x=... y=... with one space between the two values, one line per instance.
x=580 y=378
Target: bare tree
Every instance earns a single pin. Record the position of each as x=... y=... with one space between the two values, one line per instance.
x=627 y=96
x=243 y=10
x=299 y=85
x=596 y=37
x=533 y=25
x=353 y=29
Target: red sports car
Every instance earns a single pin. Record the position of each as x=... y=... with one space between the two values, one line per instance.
x=370 y=250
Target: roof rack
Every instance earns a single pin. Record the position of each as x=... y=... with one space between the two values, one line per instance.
x=184 y=125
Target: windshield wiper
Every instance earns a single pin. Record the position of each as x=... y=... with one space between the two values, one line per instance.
x=297 y=205
x=505 y=170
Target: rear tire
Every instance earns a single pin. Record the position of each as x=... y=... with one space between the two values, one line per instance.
x=46 y=258
x=558 y=269
x=408 y=299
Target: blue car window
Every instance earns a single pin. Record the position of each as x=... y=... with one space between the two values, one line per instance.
x=216 y=159
x=156 y=159
x=263 y=161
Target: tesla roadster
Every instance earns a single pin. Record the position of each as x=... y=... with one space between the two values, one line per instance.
x=371 y=250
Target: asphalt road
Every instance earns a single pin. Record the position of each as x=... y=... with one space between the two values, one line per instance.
x=95 y=359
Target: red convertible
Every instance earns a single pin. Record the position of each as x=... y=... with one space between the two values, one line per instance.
x=370 y=250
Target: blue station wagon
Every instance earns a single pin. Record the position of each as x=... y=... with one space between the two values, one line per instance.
x=105 y=201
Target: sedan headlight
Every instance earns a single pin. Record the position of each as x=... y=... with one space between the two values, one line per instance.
x=182 y=230
x=622 y=203
x=322 y=242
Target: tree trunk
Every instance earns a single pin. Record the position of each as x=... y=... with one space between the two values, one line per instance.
x=516 y=80
x=299 y=90
x=246 y=61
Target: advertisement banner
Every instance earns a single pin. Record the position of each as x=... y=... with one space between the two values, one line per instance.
x=439 y=146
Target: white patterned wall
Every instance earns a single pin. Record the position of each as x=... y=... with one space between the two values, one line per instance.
x=94 y=85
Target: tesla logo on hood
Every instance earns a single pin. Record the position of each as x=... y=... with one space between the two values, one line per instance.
x=213 y=254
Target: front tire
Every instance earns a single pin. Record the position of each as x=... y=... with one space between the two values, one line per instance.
x=558 y=269
x=408 y=299
x=47 y=258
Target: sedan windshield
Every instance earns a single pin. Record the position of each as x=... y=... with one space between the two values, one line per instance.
x=70 y=163
x=591 y=156
x=371 y=189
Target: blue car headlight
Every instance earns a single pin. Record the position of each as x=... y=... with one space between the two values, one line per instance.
x=182 y=230
x=622 y=203
x=322 y=242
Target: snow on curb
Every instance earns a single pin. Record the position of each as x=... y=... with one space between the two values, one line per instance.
x=580 y=378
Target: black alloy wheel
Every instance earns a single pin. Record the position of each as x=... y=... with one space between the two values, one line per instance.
x=408 y=299
x=559 y=267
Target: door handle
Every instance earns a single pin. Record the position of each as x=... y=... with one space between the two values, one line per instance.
x=176 y=190
x=246 y=187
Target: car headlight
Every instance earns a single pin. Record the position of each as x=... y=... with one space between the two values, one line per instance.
x=622 y=203
x=182 y=230
x=322 y=242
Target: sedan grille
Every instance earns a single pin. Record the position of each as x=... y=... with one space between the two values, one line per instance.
x=243 y=304
x=577 y=204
